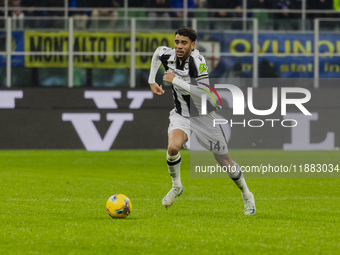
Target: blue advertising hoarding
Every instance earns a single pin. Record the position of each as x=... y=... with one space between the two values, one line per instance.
x=18 y=43
x=280 y=44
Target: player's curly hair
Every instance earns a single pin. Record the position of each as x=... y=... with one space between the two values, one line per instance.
x=187 y=31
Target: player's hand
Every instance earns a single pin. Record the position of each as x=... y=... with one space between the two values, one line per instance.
x=156 y=89
x=168 y=76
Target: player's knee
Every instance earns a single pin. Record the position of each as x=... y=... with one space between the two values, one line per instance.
x=173 y=149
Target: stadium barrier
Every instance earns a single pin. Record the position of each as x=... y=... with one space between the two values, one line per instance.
x=129 y=48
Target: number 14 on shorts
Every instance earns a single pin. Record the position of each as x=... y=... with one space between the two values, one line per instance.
x=215 y=146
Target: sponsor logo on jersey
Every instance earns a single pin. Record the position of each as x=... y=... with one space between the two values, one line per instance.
x=203 y=67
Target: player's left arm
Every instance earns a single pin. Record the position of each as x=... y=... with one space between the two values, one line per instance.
x=201 y=74
x=171 y=78
x=192 y=89
x=202 y=81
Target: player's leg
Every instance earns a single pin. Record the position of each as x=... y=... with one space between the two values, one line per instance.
x=208 y=134
x=235 y=173
x=176 y=139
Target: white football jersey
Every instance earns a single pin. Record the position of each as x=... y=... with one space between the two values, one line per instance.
x=194 y=71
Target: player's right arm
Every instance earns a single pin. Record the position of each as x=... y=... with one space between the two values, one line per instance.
x=156 y=89
x=155 y=64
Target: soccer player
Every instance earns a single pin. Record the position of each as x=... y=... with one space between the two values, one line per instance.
x=183 y=64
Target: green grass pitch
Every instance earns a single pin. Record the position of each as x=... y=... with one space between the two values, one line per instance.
x=53 y=202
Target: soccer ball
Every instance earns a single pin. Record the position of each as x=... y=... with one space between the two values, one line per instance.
x=118 y=206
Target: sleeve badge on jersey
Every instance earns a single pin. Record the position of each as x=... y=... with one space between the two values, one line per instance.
x=203 y=67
